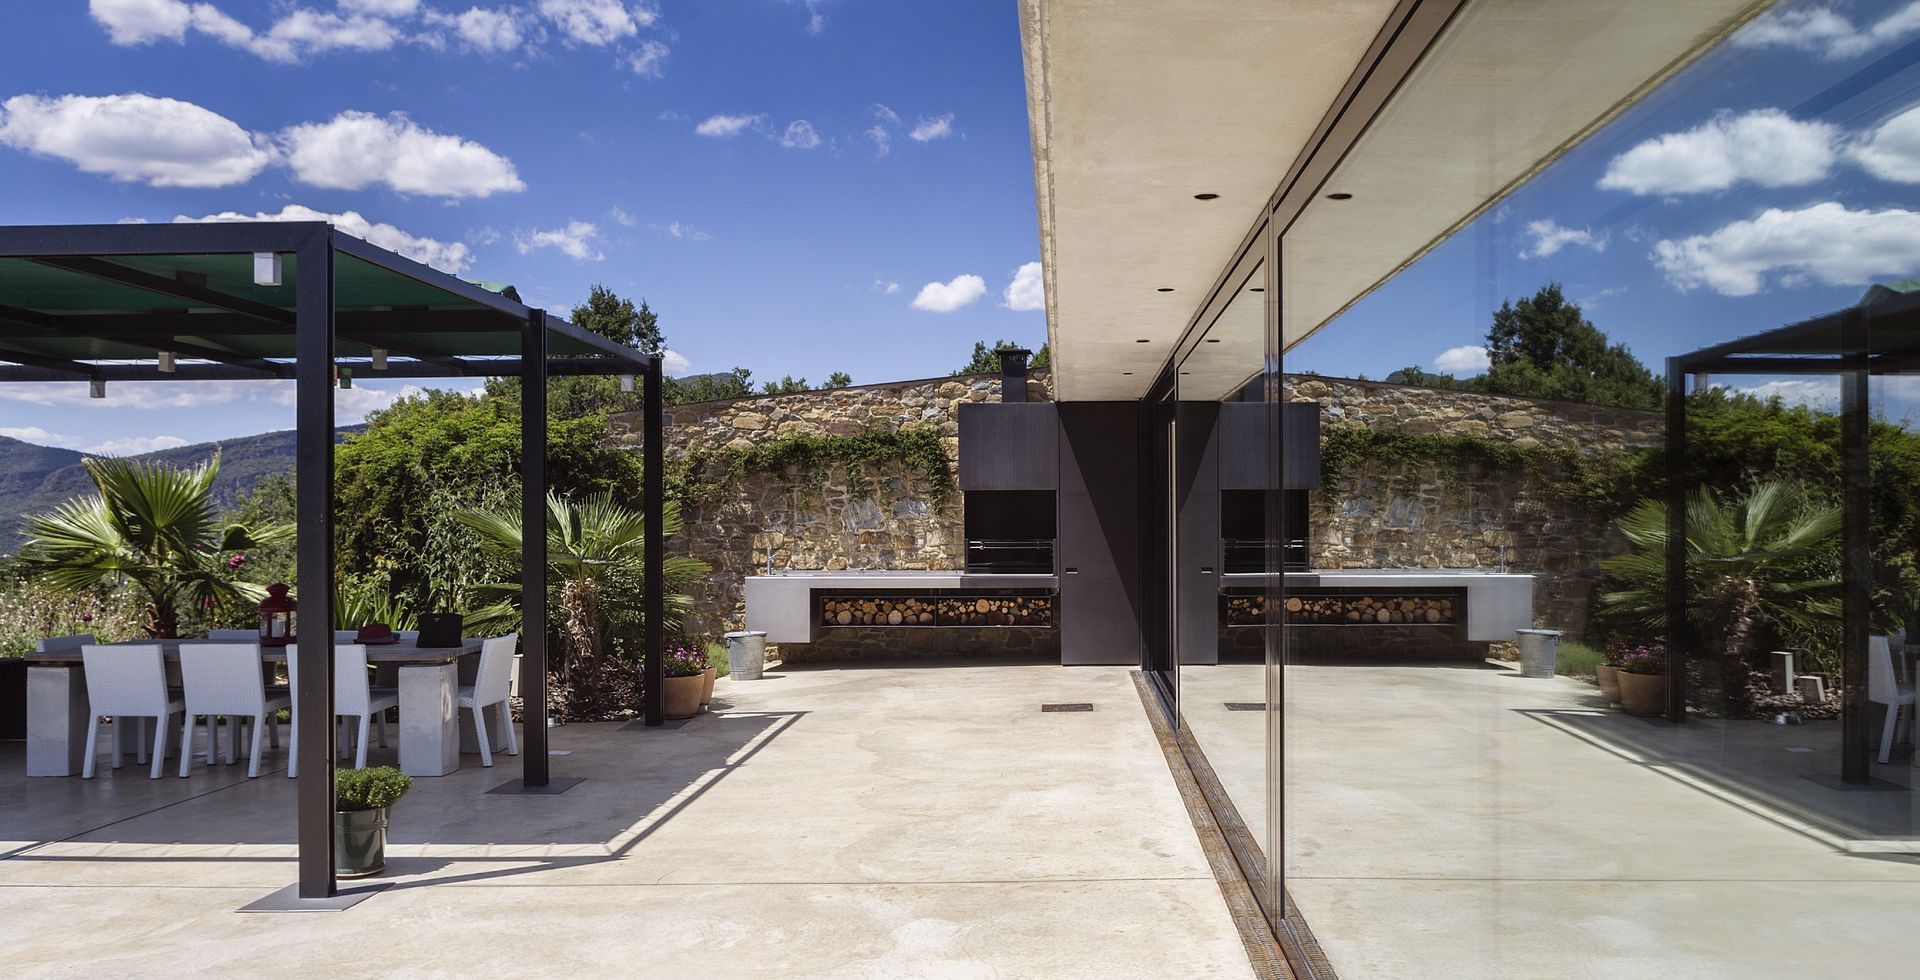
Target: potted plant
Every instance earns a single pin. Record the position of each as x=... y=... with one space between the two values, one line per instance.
x=686 y=672
x=716 y=669
x=1643 y=679
x=1607 y=673
x=361 y=798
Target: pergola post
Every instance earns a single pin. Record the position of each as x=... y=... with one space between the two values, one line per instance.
x=1679 y=640
x=1856 y=564
x=533 y=548
x=313 y=491
x=653 y=462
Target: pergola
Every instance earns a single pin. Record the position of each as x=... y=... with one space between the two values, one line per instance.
x=301 y=301
x=1878 y=336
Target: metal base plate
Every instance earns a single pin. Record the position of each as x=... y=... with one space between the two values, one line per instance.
x=288 y=899
x=555 y=786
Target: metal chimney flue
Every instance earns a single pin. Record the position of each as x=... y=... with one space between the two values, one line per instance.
x=1013 y=373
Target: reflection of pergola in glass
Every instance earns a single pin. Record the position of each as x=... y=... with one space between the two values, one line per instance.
x=1879 y=335
x=299 y=301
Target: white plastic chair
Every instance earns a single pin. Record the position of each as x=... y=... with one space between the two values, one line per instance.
x=489 y=688
x=224 y=679
x=128 y=682
x=353 y=697
x=222 y=635
x=1883 y=687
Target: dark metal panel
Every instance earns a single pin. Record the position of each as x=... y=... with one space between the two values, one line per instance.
x=1856 y=556
x=533 y=547
x=655 y=602
x=1244 y=424
x=1009 y=446
x=313 y=475
x=1100 y=588
x=1197 y=459
x=1679 y=639
x=167 y=239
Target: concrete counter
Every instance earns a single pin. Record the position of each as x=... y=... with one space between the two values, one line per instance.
x=781 y=604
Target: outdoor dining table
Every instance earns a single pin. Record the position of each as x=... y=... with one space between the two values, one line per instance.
x=429 y=678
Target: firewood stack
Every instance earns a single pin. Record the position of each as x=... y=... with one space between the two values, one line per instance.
x=1342 y=610
x=936 y=611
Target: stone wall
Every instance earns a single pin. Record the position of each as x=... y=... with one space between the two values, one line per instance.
x=1396 y=515
x=799 y=523
x=1389 y=515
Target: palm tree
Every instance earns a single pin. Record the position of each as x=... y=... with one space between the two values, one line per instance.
x=596 y=548
x=1768 y=560
x=151 y=525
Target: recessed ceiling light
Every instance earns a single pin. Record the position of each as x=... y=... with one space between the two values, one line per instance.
x=1185 y=373
x=1257 y=289
x=1213 y=340
x=1339 y=196
x=1126 y=372
x=1206 y=197
x=1164 y=289
x=1143 y=340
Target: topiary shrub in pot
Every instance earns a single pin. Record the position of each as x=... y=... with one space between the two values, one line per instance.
x=686 y=671
x=360 y=801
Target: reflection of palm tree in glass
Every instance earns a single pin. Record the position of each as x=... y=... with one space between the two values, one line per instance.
x=1768 y=561
x=153 y=525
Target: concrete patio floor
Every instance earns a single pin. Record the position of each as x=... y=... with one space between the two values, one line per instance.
x=923 y=820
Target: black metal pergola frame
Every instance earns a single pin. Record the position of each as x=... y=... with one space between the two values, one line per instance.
x=240 y=338
x=1853 y=345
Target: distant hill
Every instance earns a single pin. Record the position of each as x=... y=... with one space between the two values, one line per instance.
x=35 y=479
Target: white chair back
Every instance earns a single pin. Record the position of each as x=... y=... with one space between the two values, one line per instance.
x=350 y=686
x=253 y=635
x=1882 y=686
x=491 y=681
x=125 y=680
x=222 y=678
x=55 y=644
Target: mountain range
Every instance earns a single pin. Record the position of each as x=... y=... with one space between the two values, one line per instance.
x=34 y=479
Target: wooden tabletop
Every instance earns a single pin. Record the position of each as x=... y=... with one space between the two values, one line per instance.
x=402 y=653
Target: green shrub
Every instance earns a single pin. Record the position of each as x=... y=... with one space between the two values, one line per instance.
x=717 y=656
x=373 y=788
x=1578 y=659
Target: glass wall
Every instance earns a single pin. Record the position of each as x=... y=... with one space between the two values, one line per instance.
x=1483 y=299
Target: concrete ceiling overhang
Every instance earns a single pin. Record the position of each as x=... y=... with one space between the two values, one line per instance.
x=1135 y=108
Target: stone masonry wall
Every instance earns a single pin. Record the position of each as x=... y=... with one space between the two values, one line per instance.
x=1388 y=515
x=1392 y=515
x=807 y=526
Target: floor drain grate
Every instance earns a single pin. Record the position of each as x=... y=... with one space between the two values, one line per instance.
x=1068 y=706
x=1246 y=705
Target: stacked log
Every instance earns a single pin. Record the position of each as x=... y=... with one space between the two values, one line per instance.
x=936 y=611
x=878 y=611
x=1346 y=610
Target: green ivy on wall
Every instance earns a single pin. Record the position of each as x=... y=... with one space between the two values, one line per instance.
x=818 y=458
x=1607 y=482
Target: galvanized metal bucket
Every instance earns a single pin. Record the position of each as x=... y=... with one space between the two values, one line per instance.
x=1539 y=652
x=746 y=654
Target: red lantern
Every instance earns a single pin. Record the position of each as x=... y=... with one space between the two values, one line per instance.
x=276 y=617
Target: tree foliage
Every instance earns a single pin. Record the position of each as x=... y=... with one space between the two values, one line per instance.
x=986 y=359
x=617 y=319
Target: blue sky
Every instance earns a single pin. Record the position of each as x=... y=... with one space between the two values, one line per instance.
x=1771 y=181
x=782 y=180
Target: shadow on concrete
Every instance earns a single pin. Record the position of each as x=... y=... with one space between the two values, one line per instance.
x=1785 y=773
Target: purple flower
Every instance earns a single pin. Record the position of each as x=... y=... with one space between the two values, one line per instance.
x=236 y=561
x=86 y=617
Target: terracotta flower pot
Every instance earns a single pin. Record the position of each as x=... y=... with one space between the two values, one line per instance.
x=1643 y=694
x=1609 y=677
x=706 y=690
x=682 y=695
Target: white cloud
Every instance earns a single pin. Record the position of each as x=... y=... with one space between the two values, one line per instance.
x=162 y=142
x=302 y=32
x=650 y=60
x=1815 y=393
x=576 y=240
x=131 y=22
x=1027 y=291
x=678 y=229
x=123 y=446
x=1827 y=243
x=481 y=29
x=926 y=130
x=884 y=114
x=887 y=286
x=620 y=216
x=676 y=364
x=1471 y=359
x=596 y=22
x=1823 y=31
x=1550 y=236
x=800 y=135
x=882 y=140
x=1892 y=151
x=381 y=8
x=453 y=257
x=356 y=149
x=816 y=16
x=139 y=395
x=1765 y=147
x=722 y=125
x=945 y=297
